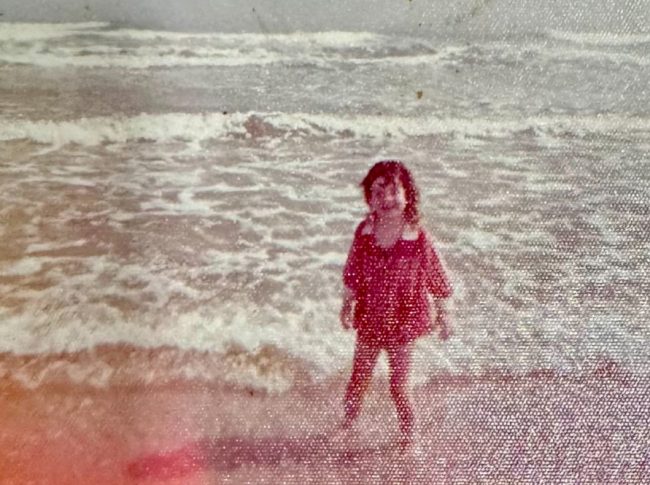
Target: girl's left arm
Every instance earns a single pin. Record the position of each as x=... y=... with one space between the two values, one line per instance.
x=437 y=281
x=438 y=286
x=442 y=320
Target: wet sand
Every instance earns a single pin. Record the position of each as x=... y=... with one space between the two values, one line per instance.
x=534 y=429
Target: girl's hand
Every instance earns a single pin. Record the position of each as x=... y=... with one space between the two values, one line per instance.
x=442 y=323
x=347 y=315
x=347 y=309
x=444 y=330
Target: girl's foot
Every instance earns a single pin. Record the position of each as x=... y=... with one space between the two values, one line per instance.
x=344 y=436
x=408 y=446
x=347 y=422
x=405 y=443
x=344 y=428
x=411 y=452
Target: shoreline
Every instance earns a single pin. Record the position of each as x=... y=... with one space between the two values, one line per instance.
x=534 y=429
x=266 y=370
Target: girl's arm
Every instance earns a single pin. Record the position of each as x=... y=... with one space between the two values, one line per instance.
x=352 y=274
x=442 y=320
x=347 y=309
x=438 y=286
x=437 y=282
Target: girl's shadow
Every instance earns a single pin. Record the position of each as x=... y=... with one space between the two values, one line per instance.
x=228 y=454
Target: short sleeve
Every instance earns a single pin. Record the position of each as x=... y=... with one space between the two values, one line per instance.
x=437 y=282
x=353 y=266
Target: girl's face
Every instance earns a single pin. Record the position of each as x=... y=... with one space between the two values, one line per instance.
x=387 y=196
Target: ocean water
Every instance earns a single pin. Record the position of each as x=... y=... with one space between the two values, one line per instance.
x=199 y=192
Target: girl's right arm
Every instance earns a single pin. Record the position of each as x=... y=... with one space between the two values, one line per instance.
x=352 y=274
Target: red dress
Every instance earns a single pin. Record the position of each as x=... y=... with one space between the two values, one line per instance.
x=391 y=286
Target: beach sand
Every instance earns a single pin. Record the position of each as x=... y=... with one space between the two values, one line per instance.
x=532 y=429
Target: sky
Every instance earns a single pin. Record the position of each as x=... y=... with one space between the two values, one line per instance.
x=390 y=16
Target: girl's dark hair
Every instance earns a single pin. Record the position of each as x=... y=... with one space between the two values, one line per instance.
x=390 y=170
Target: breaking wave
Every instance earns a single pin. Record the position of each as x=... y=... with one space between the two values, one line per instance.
x=207 y=126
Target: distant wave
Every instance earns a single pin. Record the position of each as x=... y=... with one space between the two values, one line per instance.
x=138 y=58
x=464 y=18
x=601 y=38
x=100 y=45
x=151 y=57
x=527 y=52
x=14 y=32
x=206 y=126
x=23 y=32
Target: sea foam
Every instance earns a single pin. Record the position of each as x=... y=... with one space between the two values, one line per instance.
x=209 y=126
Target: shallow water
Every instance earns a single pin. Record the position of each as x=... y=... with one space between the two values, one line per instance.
x=199 y=191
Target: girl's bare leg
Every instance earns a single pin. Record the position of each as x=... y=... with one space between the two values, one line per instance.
x=365 y=358
x=399 y=358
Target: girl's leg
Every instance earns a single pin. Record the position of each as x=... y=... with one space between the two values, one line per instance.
x=365 y=358
x=399 y=359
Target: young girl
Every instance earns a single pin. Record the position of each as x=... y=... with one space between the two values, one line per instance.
x=390 y=270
